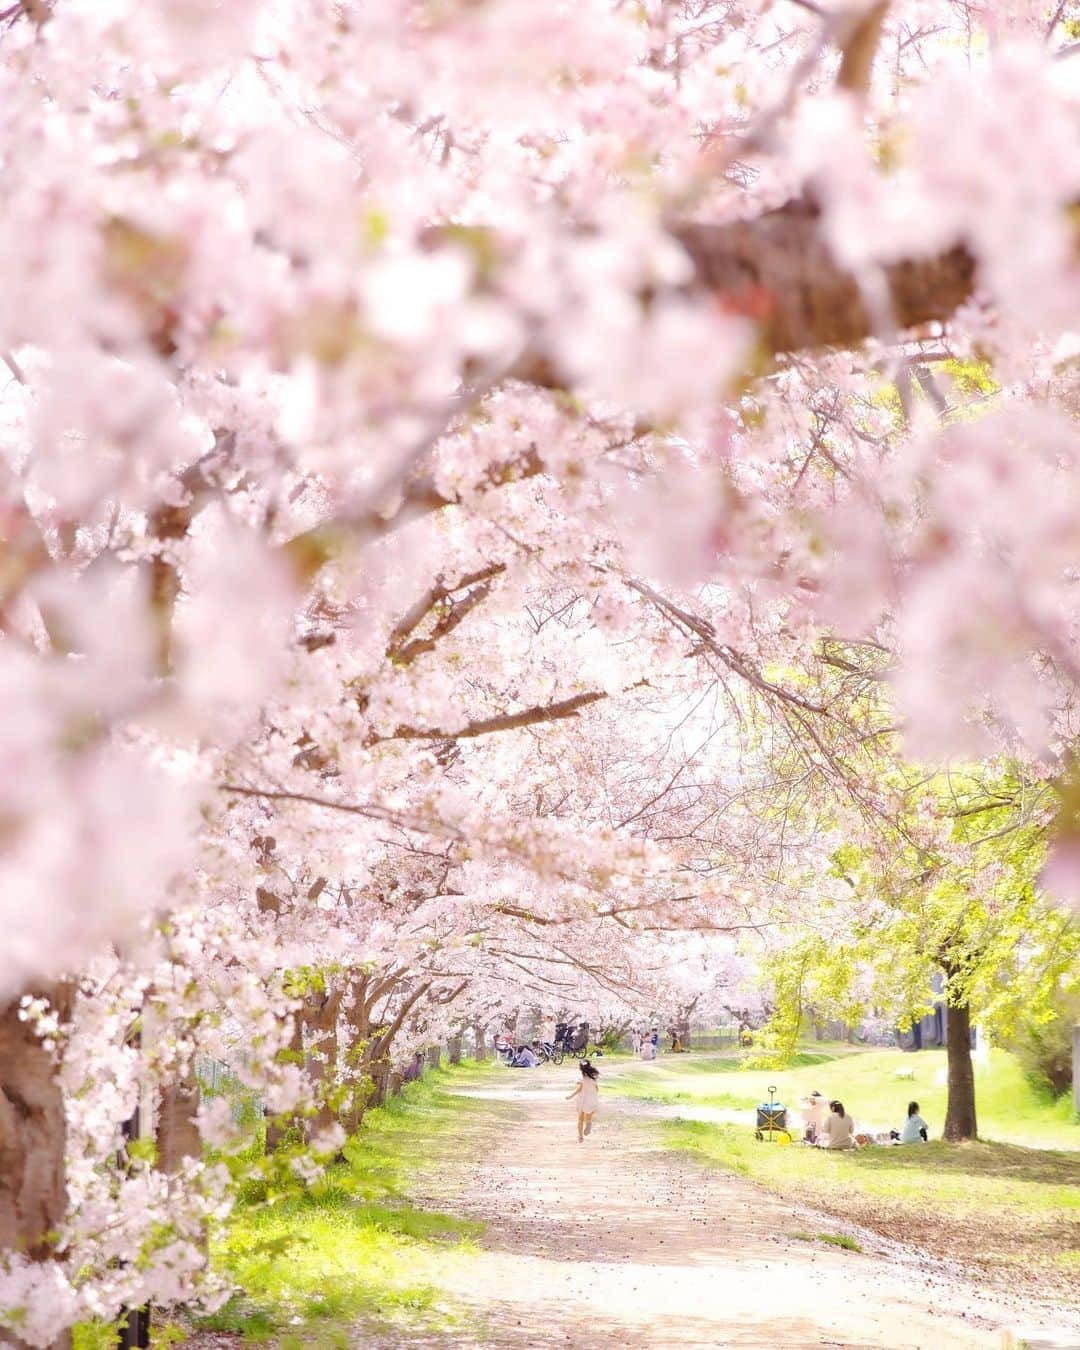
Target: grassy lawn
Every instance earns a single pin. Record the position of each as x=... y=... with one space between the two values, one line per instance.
x=351 y=1247
x=1008 y=1206
x=314 y=1263
x=1009 y=1108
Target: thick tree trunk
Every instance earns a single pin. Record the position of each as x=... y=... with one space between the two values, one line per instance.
x=394 y=1083
x=178 y=1136
x=781 y=266
x=380 y=1082
x=960 y=1120
x=276 y=1133
x=358 y=1051
x=779 y=269
x=434 y=1056
x=33 y=1193
x=480 y=1037
x=322 y=1053
x=453 y=1049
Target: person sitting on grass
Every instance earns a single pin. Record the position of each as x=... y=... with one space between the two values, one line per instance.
x=815 y=1111
x=915 y=1129
x=525 y=1057
x=838 y=1131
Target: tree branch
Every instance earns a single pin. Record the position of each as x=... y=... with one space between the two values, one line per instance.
x=369 y=810
x=780 y=261
x=859 y=48
x=419 y=497
x=527 y=717
x=477 y=586
x=734 y=660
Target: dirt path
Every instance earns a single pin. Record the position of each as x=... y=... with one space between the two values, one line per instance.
x=617 y=1242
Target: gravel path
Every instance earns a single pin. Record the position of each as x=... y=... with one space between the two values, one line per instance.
x=618 y=1242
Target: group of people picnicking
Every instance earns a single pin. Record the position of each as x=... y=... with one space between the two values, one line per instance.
x=827 y=1124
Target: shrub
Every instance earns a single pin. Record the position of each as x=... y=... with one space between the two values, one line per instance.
x=1045 y=1050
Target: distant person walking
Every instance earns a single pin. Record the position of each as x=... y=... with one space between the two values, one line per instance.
x=588 y=1094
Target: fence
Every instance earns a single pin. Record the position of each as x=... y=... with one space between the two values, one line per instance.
x=217 y=1079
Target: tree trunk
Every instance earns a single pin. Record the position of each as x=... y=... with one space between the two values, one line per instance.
x=453 y=1049
x=1076 y=1068
x=480 y=1037
x=379 y=1071
x=359 y=1053
x=434 y=1056
x=395 y=1081
x=178 y=1136
x=276 y=1133
x=321 y=1060
x=33 y=1191
x=960 y=1114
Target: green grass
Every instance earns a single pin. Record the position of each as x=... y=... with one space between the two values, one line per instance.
x=833 y=1239
x=995 y=1205
x=1010 y=1108
x=351 y=1248
x=1009 y=1203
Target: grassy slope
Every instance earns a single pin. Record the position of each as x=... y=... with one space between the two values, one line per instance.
x=1012 y=1204
x=352 y=1247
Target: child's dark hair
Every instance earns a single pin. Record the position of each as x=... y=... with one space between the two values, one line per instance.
x=913 y=1108
x=838 y=1107
x=589 y=1070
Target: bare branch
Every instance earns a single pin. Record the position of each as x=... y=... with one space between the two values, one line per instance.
x=477 y=587
x=369 y=810
x=527 y=717
x=419 y=497
x=859 y=48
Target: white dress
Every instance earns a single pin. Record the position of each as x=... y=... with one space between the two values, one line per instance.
x=588 y=1099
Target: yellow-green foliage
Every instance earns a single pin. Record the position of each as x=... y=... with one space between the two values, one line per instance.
x=972 y=378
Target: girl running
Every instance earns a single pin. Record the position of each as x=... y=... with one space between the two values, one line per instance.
x=588 y=1095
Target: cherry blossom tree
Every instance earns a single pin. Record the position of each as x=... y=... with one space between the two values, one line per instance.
x=436 y=439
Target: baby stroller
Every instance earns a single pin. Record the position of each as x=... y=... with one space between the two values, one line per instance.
x=577 y=1042
x=771 y=1125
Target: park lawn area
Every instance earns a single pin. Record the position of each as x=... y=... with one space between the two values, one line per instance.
x=1010 y=1109
x=1001 y=1209
x=351 y=1248
x=1007 y=1206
